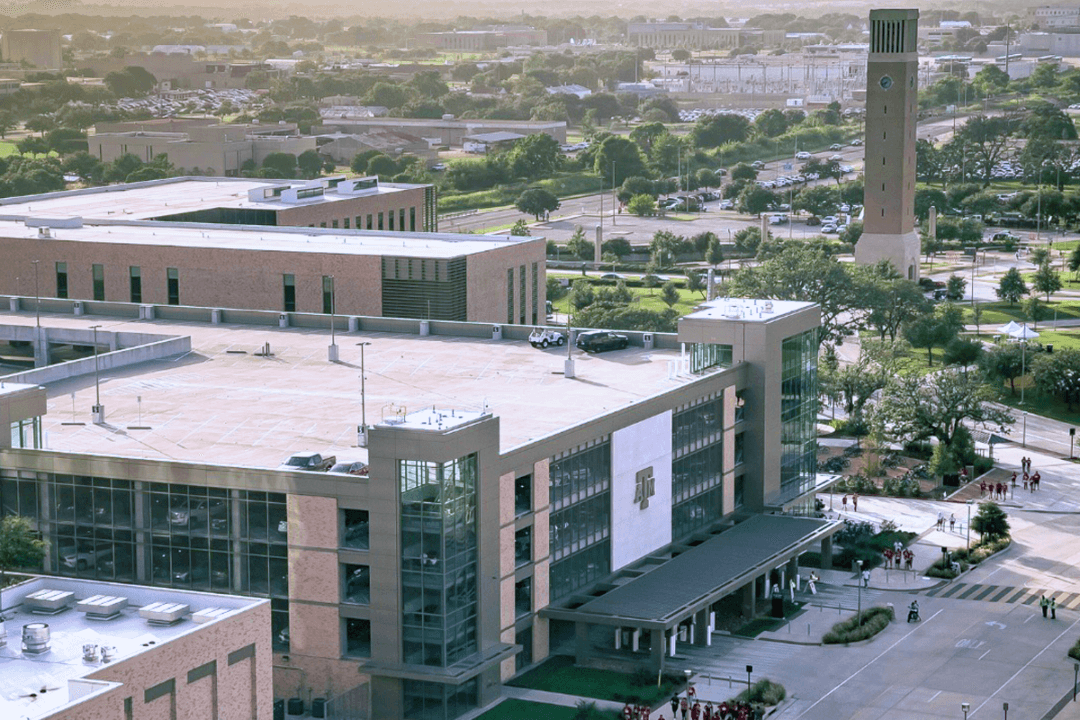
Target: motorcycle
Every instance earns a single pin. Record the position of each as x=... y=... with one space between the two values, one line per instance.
x=913 y=615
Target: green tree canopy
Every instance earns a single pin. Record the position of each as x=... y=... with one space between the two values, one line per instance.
x=537 y=201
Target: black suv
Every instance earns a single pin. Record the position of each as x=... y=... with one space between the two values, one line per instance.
x=601 y=340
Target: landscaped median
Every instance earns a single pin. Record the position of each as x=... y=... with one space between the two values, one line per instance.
x=861 y=627
x=560 y=675
x=966 y=558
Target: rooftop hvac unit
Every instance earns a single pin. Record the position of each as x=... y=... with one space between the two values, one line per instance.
x=49 y=602
x=44 y=232
x=36 y=638
x=164 y=613
x=102 y=607
x=209 y=615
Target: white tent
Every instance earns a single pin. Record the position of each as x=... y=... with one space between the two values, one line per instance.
x=1024 y=333
x=1009 y=329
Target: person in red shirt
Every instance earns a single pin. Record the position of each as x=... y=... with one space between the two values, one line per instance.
x=695 y=712
x=627 y=712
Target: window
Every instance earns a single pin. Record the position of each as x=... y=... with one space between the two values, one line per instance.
x=98 y=272
x=510 y=296
x=740 y=406
x=521 y=294
x=523 y=494
x=135 y=275
x=356 y=533
x=380 y=221
x=523 y=547
x=524 y=638
x=412 y=219
x=328 y=294
x=401 y=220
x=740 y=490
x=740 y=448
x=322 y=224
x=523 y=597
x=289 y=283
x=61 y=280
x=356 y=584
x=369 y=222
x=535 y=293
x=333 y=223
x=357 y=637
x=173 y=281
x=26 y=433
x=346 y=223
x=390 y=220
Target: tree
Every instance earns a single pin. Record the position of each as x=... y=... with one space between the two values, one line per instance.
x=669 y=293
x=429 y=84
x=1004 y=364
x=890 y=302
x=130 y=82
x=624 y=154
x=310 y=164
x=818 y=199
x=537 y=201
x=667 y=244
x=535 y=157
x=915 y=408
x=695 y=282
x=680 y=55
x=32 y=145
x=955 y=287
x=1034 y=310
x=581 y=294
x=642 y=205
x=770 y=123
x=715 y=130
x=1058 y=374
x=578 y=246
x=754 y=200
x=963 y=352
x=990 y=521
x=935 y=329
x=714 y=253
x=617 y=246
x=926 y=198
x=7 y=122
x=520 y=228
x=20 y=546
x=85 y=165
x=646 y=134
x=380 y=165
x=743 y=171
x=627 y=317
x=986 y=139
x=1046 y=280
x=1012 y=287
x=1074 y=262
x=633 y=186
x=282 y=165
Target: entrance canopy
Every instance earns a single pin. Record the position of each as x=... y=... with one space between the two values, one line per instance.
x=694 y=579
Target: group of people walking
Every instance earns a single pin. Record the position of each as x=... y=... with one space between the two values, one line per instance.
x=1048 y=604
x=682 y=709
x=854 y=502
x=998 y=491
x=1032 y=480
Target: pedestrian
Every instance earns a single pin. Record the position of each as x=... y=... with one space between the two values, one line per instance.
x=1037 y=478
x=898 y=546
x=909 y=557
x=1025 y=481
x=888 y=556
x=674 y=706
x=627 y=712
x=855 y=502
x=982 y=488
x=952 y=522
x=843 y=503
x=813 y=583
x=695 y=712
x=866 y=578
x=1014 y=479
x=1053 y=608
x=1044 y=604
x=791 y=587
x=940 y=520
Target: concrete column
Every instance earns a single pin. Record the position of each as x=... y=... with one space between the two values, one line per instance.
x=673 y=642
x=581 y=641
x=792 y=571
x=41 y=347
x=618 y=638
x=635 y=639
x=749 y=598
x=702 y=629
x=826 y=553
x=656 y=646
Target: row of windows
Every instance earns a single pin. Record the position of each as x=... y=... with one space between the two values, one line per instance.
x=697 y=427
x=288 y=290
x=699 y=511
x=580 y=474
x=382 y=220
x=135 y=295
x=580 y=569
x=522 y=315
x=580 y=525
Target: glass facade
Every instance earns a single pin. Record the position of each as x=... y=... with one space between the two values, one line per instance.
x=26 y=433
x=439 y=561
x=707 y=355
x=580 y=517
x=798 y=414
x=697 y=468
x=432 y=701
x=158 y=534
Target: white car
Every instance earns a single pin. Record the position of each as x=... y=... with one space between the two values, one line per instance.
x=802 y=155
x=778 y=219
x=727 y=204
x=828 y=229
x=542 y=338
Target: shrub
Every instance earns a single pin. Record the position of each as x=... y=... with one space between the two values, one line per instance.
x=1074 y=651
x=764 y=692
x=873 y=621
x=942 y=570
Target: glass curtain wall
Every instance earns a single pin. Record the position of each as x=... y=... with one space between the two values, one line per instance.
x=798 y=414
x=580 y=517
x=697 y=468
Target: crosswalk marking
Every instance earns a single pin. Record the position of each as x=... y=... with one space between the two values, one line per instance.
x=1006 y=594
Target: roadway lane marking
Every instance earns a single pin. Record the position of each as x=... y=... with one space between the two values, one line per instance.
x=1064 y=632
x=883 y=653
x=933 y=696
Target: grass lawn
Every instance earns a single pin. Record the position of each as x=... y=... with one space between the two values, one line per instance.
x=648 y=299
x=560 y=675
x=1039 y=404
x=514 y=709
x=995 y=313
x=7 y=148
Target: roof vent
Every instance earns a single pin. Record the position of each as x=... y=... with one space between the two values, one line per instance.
x=36 y=638
x=102 y=607
x=164 y=613
x=49 y=602
x=44 y=232
x=209 y=615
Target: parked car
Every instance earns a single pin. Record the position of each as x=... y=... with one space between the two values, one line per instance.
x=201 y=512
x=813 y=220
x=309 y=461
x=1004 y=237
x=836 y=158
x=857 y=142
x=802 y=155
x=543 y=337
x=612 y=276
x=351 y=467
x=757 y=165
x=836 y=146
x=727 y=204
x=778 y=219
x=82 y=556
x=828 y=229
x=593 y=341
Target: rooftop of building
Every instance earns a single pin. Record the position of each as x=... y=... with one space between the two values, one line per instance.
x=34 y=685
x=438 y=246
x=223 y=404
x=157 y=198
x=748 y=310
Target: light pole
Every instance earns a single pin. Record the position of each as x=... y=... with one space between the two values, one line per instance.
x=858 y=615
x=1023 y=366
x=969 y=524
x=1005 y=709
x=688 y=674
x=37 y=296
x=332 y=351
x=965 y=707
x=98 y=413
x=1024 y=442
x=363 y=398
x=1076 y=676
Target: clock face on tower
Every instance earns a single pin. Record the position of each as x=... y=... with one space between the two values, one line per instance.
x=886 y=82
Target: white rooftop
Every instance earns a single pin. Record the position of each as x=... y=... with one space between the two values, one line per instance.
x=748 y=310
x=38 y=685
x=281 y=239
x=433 y=418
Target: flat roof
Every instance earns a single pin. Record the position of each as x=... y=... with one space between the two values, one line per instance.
x=267 y=239
x=664 y=595
x=748 y=309
x=22 y=673
x=156 y=198
x=221 y=404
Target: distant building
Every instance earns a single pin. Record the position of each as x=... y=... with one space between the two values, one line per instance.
x=342 y=147
x=212 y=149
x=446 y=131
x=698 y=36
x=580 y=91
x=1052 y=17
x=175 y=67
x=40 y=48
x=483 y=39
x=482 y=143
x=84 y=648
x=1054 y=43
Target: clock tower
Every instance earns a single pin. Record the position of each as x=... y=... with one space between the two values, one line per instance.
x=891 y=110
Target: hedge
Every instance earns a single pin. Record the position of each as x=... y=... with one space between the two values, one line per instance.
x=764 y=692
x=873 y=621
x=1074 y=651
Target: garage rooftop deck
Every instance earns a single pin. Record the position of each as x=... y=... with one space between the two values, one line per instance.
x=222 y=404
